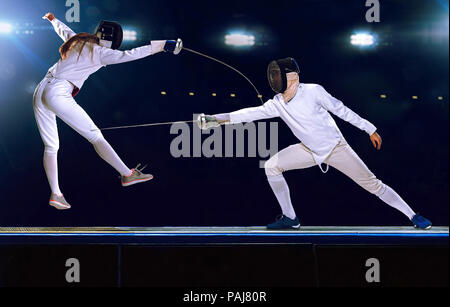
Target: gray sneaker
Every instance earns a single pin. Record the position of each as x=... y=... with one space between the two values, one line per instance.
x=59 y=202
x=136 y=177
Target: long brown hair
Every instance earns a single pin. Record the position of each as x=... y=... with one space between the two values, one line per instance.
x=82 y=38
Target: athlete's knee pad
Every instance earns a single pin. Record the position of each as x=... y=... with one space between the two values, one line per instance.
x=271 y=168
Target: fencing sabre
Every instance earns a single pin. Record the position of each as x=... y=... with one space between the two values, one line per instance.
x=146 y=125
x=231 y=67
x=190 y=121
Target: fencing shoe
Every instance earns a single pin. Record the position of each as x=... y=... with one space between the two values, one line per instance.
x=136 y=177
x=421 y=222
x=59 y=202
x=285 y=223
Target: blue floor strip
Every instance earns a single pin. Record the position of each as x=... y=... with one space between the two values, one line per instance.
x=228 y=234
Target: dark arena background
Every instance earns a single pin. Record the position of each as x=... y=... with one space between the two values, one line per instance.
x=200 y=222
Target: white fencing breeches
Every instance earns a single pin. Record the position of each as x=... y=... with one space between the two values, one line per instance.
x=344 y=159
x=53 y=97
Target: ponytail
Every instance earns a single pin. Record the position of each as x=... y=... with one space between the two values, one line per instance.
x=82 y=38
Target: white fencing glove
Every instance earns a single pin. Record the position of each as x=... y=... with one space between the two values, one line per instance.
x=206 y=122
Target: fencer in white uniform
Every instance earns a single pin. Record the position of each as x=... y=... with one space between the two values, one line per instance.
x=84 y=55
x=305 y=109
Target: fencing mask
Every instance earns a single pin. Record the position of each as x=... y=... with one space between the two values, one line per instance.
x=110 y=34
x=276 y=73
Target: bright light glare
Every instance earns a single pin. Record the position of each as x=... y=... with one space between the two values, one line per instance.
x=129 y=35
x=239 y=40
x=5 y=28
x=362 y=39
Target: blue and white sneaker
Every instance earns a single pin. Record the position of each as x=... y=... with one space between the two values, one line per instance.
x=285 y=223
x=421 y=222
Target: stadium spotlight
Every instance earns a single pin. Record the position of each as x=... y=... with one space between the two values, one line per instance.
x=239 y=40
x=5 y=28
x=362 y=39
x=129 y=35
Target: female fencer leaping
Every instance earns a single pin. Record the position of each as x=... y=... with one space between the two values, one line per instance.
x=83 y=54
x=304 y=108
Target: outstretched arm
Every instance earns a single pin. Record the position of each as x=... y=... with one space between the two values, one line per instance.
x=63 y=31
x=267 y=110
x=336 y=107
x=110 y=56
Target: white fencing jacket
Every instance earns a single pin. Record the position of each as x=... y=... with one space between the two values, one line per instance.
x=77 y=70
x=308 y=118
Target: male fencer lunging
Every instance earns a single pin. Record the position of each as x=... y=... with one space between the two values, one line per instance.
x=83 y=54
x=304 y=108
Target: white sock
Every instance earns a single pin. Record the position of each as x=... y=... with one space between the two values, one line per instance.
x=394 y=200
x=281 y=191
x=51 y=169
x=107 y=153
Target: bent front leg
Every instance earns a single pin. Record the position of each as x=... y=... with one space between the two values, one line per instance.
x=293 y=157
